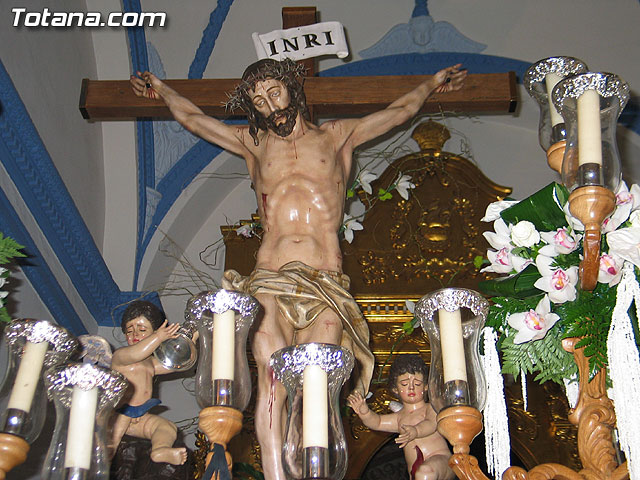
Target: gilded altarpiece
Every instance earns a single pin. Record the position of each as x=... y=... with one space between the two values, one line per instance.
x=407 y=248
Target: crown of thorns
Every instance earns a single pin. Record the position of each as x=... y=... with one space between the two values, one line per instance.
x=277 y=71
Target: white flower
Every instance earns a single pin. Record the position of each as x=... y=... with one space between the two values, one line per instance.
x=634 y=218
x=610 y=270
x=501 y=261
x=524 y=234
x=559 y=242
x=558 y=283
x=534 y=324
x=574 y=223
x=411 y=306
x=626 y=244
x=365 y=177
x=493 y=210
x=624 y=204
x=245 y=230
x=403 y=185
x=350 y=225
x=501 y=237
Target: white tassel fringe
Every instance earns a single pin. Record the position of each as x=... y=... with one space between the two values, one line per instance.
x=496 y=424
x=624 y=370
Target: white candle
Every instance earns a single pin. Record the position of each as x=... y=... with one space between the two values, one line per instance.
x=24 y=387
x=589 y=132
x=315 y=408
x=551 y=79
x=451 y=341
x=224 y=330
x=81 y=422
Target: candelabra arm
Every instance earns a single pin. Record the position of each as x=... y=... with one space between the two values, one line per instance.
x=13 y=452
x=595 y=418
x=591 y=205
x=220 y=425
x=466 y=467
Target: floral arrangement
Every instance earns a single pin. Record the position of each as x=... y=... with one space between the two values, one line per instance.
x=9 y=249
x=537 y=246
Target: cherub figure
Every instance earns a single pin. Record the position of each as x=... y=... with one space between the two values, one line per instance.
x=425 y=450
x=145 y=328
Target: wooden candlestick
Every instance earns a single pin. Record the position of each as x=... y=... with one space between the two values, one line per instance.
x=460 y=425
x=591 y=205
x=220 y=425
x=13 y=452
x=555 y=155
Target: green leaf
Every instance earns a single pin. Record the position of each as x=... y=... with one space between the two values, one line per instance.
x=542 y=209
x=350 y=193
x=519 y=285
x=407 y=327
x=478 y=261
x=9 y=249
x=384 y=194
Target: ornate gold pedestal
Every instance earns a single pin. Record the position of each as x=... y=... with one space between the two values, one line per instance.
x=13 y=452
x=220 y=425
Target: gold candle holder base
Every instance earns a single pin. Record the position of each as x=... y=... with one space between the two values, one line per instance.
x=13 y=452
x=220 y=425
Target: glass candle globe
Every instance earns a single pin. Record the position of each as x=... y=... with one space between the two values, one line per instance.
x=84 y=396
x=591 y=103
x=539 y=80
x=223 y=318
x=314 y=445
x=453 y=319
x=34 y=346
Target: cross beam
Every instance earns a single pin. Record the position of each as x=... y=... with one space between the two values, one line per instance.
x=332 y=96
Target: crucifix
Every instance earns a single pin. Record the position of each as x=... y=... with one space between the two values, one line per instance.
x=335 y=96
x=299 y=172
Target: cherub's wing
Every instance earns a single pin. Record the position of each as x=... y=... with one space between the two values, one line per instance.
x=95 y=350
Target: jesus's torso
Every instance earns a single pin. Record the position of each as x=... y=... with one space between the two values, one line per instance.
x=299 y=183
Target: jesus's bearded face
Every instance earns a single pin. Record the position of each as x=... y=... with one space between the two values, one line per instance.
x=271 y=99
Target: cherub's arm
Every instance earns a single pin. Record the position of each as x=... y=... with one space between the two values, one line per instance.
x=411 y=432
x=384 y=423
x=145 y=347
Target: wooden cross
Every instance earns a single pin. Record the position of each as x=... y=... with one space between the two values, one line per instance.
x=331 y=96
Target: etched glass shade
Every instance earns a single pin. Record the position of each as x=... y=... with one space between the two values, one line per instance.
x=232 y=388
x=33 y=346
x=84 y=396
x=591 y=103
x=314 y=445
x=539 y=80
x=453 y=319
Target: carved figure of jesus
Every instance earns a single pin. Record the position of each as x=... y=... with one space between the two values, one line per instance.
x=299 y=172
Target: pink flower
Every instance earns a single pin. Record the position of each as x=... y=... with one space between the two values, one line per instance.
x=558 y=283
x=559 y=242
x=610 y=270
x=534 y=324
